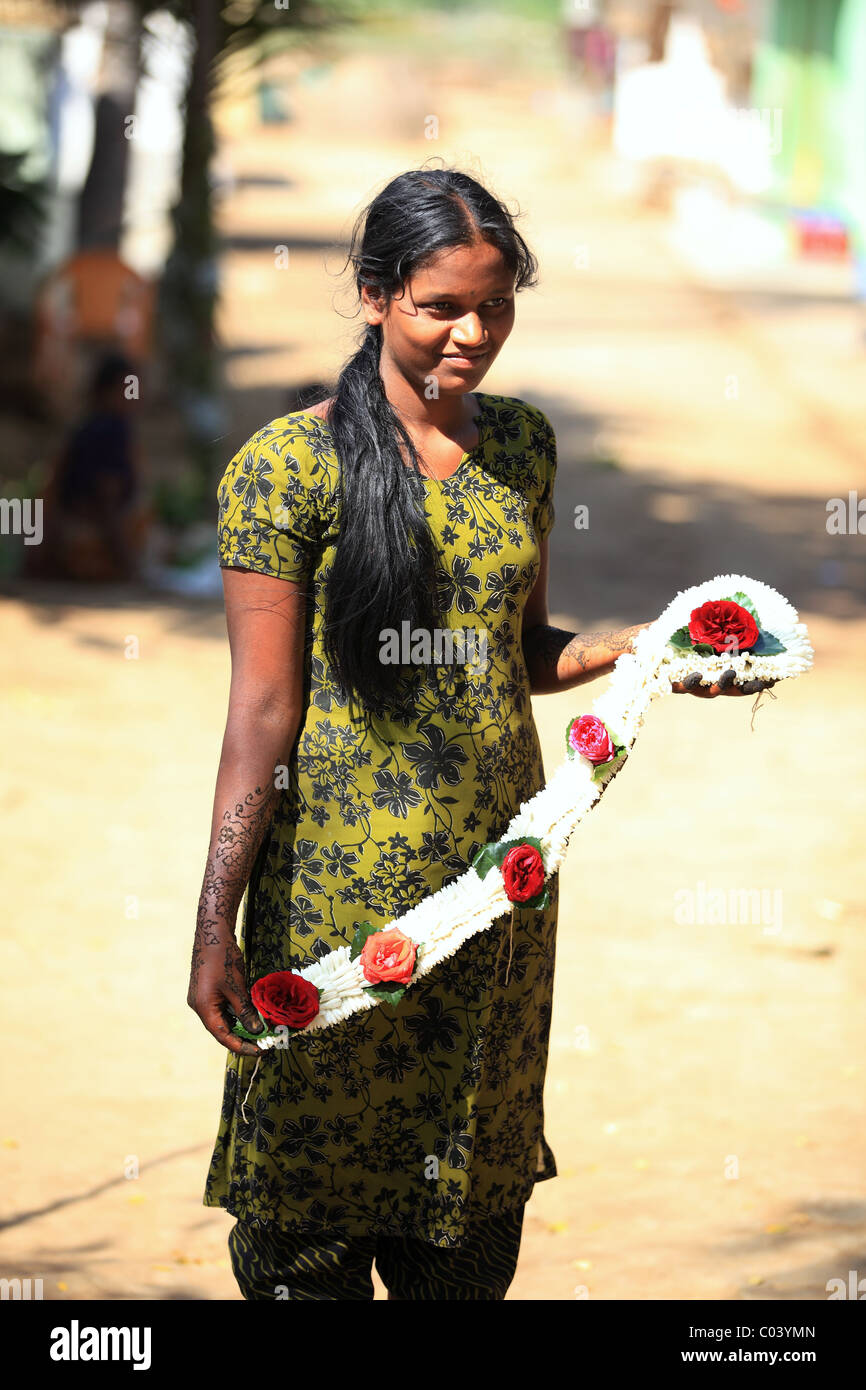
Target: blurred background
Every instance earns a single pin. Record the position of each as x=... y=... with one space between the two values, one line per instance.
x=177 y=183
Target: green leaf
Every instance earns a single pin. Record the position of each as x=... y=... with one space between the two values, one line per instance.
x=601 y=768
x=390 y=994
x=362 y=931
x=745 y=602
x=486 y=859
x=540 y=901
x=767 y=645
x=242 y=1032
x=523 y=840
x=683 y=643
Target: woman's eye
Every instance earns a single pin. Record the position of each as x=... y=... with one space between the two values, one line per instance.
x=446 y=303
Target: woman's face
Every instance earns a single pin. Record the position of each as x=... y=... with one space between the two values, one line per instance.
x=450 y=321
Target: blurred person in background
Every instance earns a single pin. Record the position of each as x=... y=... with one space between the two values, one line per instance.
x=589 y=42
x=96 y=521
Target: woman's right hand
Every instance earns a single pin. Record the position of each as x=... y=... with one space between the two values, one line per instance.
x=218 y=992
x=266 y=626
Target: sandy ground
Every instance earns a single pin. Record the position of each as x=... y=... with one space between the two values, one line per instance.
x=705 y=1091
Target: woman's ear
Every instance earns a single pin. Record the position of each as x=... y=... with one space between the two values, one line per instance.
x=373 y=304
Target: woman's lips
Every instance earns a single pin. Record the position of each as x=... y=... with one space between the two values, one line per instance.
x=459 y=361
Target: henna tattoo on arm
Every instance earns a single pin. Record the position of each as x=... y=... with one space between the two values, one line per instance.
x=230 y=862
x=584 y=647
x=558 y=660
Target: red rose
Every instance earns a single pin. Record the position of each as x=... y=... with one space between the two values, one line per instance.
x=523 y=873
x=590 y=738
x=388 y=957
x=724 y=625
x=287 y=998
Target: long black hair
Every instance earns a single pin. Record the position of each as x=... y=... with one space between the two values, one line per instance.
x=385 y=568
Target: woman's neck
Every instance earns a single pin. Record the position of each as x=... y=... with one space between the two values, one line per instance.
x=451 y=416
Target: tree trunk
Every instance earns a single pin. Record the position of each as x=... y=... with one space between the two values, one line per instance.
x=191 y=275
x=100 y=210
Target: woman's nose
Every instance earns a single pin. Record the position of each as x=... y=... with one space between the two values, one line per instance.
x=469 y=331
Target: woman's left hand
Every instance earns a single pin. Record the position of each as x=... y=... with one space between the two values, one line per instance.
x=725 y=686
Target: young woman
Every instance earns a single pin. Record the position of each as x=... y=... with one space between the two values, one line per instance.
x=351 y=786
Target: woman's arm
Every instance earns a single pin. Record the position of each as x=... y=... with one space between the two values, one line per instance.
x=558 y=660
x=265 y=618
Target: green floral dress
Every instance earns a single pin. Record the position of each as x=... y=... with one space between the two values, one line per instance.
x=405 y=1119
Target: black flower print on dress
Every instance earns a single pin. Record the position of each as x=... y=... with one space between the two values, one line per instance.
x=401 y=1119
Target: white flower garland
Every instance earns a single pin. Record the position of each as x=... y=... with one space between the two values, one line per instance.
x=441 y=923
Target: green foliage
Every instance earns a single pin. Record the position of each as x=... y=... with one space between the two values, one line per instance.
x=362 y=931
x=178 y=501
x=23 y=206
x=601 y=770
x=683 y=642
x=242 y=1032
x=745 y=602
x=388 y=993
x=254 y=30
x=767 y=645
x=546 y=10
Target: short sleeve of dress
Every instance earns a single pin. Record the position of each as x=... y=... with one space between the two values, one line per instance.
x=269 y=518
x=542 y=441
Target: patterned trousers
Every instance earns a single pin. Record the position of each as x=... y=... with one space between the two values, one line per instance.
x=281 y=1264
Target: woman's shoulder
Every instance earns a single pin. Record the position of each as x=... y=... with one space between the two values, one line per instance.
x=299 y=431
x=293 y=451
x=519 y=423
x=514 y=408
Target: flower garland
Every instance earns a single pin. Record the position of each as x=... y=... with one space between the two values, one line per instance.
x=730 y=630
